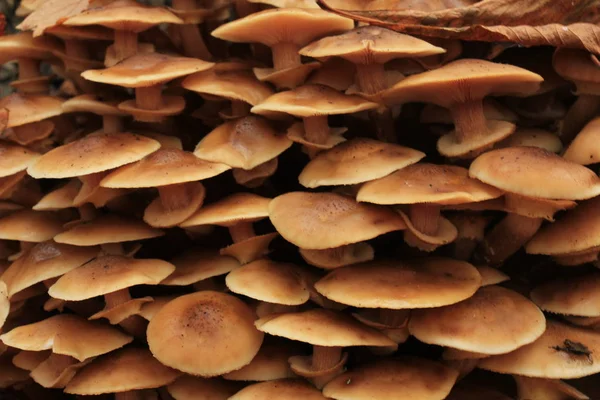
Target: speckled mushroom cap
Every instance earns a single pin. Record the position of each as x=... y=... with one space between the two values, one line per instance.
x=321 y=327
x=326 y=220
x=121 y=371
x=92 y=103
x=238 y=207
x=242 y=143
x=67 y=334
x=311 y=101
x=430 y=282
x=107 y=229
x=562 y=352
x=93 y=153
x=338 y=166
x=283 y=25
x=494 y=320
x=584 y=149
x=44 y=261
x=238 y=85
x=427 y=183
x=215 y=327
x=24 y=45
x=578 y=296
x=196 y=265
x=147 y=69
x=189 y=387
x=30 y=226
x=370 y=44
x=270 y=363
x=284 y=389
x=15 y=159
x=535 y=172
x=25 y=109
x=463 y=80
x=109 y=274
x=399 y=378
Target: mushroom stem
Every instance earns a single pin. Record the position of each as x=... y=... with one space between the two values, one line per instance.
x=28 y=68
x=469 y=120
x=464 y=367
x=117 y=298
x=325 y=357
x=370 y=78
x=131 y=395
x=149 y=98
x=464 y=248
x=581 y=112
x=285 y=55
x=393 y=318
x=87 y=212
x=76 y=48
x=425 y=217
x=239 y=108
x=316 y=129
x=126 y=44
x=384 y=124
x=241 y=231
x=174 y=197
x=112 y=124
x=546 y=389
x=193 y=43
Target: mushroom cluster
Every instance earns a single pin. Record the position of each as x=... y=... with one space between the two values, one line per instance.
x=262 y=199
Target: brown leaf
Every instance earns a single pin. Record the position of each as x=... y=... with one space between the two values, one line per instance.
x=51 y=13
x=415 y=5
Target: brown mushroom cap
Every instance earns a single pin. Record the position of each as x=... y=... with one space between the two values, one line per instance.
x=30 y=226
x=239 y=207
x=578 y=296
x=283 y=25
x=576 y=65
x=11 y=375
x=402 y=378
x=31 y=108
x=121 y=371
x=147 y=69
x=326 y=220
x=533 y=137
x=494 y=320
x=472 y=392
x=270 y=363
x=431 y=282
x=15 y=159
x=60 y=198
x=210 y=326
x=584 y=149
x=433 y=114
x=288 y=3
x=232 y=85
x=284 y=389
x=189 y=387
x=197 y=265
x=338 y=166
x=4 y=303
x=535 y=172
x=92 y=103
x=491 y=275
x=562 y=352
x=67 y=334
x=321 y=327
x=463 y=80
x=24 y=45
x=94 y=153
x=370 y=44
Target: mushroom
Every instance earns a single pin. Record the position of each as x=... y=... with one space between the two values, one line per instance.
x=215 y=327
x=491 y=276
x=192 y=13
x=281 y=389
x=461 y=87
x=112 y=117
x=546 y=389
x=4 y=303
x=11 y=375
x=79 y=44
x=584 y=149
x=285 y=31
x=29 y=227
x=189 y=387
x=198 y=267
x=532 y=137
x=270 y=363
x=336 y=73
x=470 y=227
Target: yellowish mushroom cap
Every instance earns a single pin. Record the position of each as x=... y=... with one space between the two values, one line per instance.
x=269 y=364
x=91 y=103
x=239 y=207
x=30 y=226
x=578 y=296
x=24 y=45
x=237 y=85
x=197 y=265
x=60 y=198
x=576 y=65
x=25 y=109
x=15 y=159
x=584 y=149
x=430 y=282
x=491 y=275
x=533 y=137
x=285 y=389
x=189 y=387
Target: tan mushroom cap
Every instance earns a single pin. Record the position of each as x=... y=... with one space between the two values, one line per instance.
x=283 y=25
x=149 y=309
x=494 y=320
x=311 y=101
x=197 y=265
x=92 y=103
x=321 y=327
x=286 y=284
x=288 y=3
x=44 y=261
x=533 y=137
x=434 y=114
x=24 y=45
x=147 y=69
x=4 y=303
x=576 y=65
x=15 y=159
x=463 y=80
x=232 y=85
x=535 y=172
x=109 y=274
x=285 y=389
x=25 y=109
x=161 y=168
x=401 y=378
x=91 y=154
x=317 y=221
x=189 y=387
x=560 y=353
x=370 y=44
x=584 y=149
x=427 y=183
x=107 y=229
x=578 y=296
x=117 y=314
x=491 y=275
x=121 y=371
x=238 y=207
x=60 y=198
x=269 y=364
x=339 y=165
x=80 y=32
x=243 y=143
x=210 y=326
x=29 y=360
x=473 y=392
x=430 y=282
x=67 y=334
x=124 y=15
x=30 y=226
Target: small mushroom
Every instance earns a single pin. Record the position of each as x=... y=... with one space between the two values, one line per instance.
x=29 y=227
x=584 y=149
x=270 y=363
x=189 y=387
x=575 y=296
x=197 y=267
x=112 y=117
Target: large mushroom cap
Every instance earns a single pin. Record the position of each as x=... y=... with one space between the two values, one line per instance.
x=30 y=226
x=14 y=159
x=92 y=103
x=232 y=85
x=210 y=326
x=463 y=80
x=585 y=148
x=283 y=25
x=197 y=265
x=562 y=352
x=91 y=154
x=432 y=282
x=576 y=65
x=327 y=220
x=121 y=371
x=339 y=166
x=535 y=172
x=147 y=69
x=189 y=387
x=403 y=378
x=239 y=207
x=321 y=327
x=494 y=320
x=578 y=296
x=24 y=45
x=285 y=389
x=30 y=108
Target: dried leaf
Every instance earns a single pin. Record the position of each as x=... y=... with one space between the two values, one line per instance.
x=52 y=13
x=416 y=5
